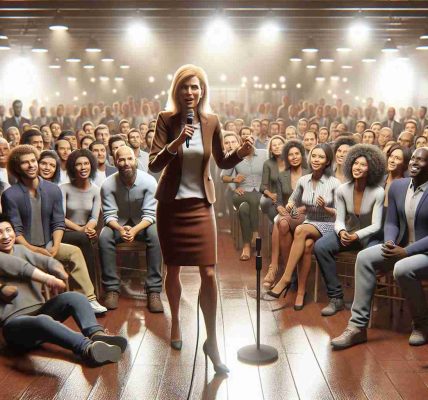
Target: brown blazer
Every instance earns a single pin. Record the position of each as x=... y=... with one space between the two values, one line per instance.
x=168 y=128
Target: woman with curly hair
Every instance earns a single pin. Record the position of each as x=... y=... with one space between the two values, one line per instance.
x=359 y=204
x=315 y=192
x=285 y=223
x=272 y=167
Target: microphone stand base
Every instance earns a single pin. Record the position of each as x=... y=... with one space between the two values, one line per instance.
x=257 y=356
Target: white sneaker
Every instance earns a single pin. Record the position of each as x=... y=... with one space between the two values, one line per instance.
x=97 y=307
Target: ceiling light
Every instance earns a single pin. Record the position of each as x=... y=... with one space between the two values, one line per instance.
x=88 y=65
x=334 y=78
x=368 y=58
x=58 y=23
x=295 y=58
x=311 y=66
x=424 y=35
x=55 y=64
x=39 y=46
x=72 y=79
x=320 y=79
x=310 y=47
x=326 y=59
x=282 y=79
x=73 y=58
x=422 y=44
x=104 y=78
x=359 y=29
x=119 y=78
x=151 y=79
x=346 y=67
x=124 y=66
x=169 y=77
x=344 y=49
x=93 y=46
x=389 y=46
x=298 y=85
x=107 y=58
x=3 y=34
x=4 y=44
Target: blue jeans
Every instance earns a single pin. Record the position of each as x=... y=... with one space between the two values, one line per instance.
x=108 y=240
x=25 y=332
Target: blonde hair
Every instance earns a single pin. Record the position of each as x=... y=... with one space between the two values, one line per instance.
x=182 y=74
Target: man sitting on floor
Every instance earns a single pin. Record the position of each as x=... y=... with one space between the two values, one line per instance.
x=28 y=321
x=405 y=250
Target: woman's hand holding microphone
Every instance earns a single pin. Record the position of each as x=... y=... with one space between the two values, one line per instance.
x=186 y=133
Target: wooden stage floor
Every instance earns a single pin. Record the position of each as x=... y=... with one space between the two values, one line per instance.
x=384 y=368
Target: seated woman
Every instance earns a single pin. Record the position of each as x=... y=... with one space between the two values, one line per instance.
x=359 y=204
x=246 y=199
x=49 y=166
x=272 y=167
x=315 y=191
x=341 y=147
x=82 y=204
x=29 y=321
x=296 y=166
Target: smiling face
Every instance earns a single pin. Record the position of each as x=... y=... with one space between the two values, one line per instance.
x=421 y=141
x=395 y=160
x=7 y=237
x=125 y=162
x=190 y=93
x=418 y=165
x=28 y=166
x=276 y=147
x=47 y=167
x=82 y=168
x=318 y=160
x=295 y=157
x=360 y=168
x=323 y=135
x=309 y=140
x=341 y=153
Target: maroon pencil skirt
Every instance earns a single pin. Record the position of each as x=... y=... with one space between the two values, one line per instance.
x=187 y=232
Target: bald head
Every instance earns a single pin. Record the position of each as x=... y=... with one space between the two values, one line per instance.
x=126 y=163
x=124 y=151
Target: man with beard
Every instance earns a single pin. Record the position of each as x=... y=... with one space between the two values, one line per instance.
x=129 y=212
x=34 y=206
x=405 y=251
x=142 y=157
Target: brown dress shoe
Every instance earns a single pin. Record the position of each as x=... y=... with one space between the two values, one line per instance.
x=8 y=293
x=111 y=300
x=154 y=303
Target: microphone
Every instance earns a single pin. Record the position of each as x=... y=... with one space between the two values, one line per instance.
x=189 y=121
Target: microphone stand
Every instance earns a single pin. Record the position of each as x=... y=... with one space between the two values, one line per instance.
x=258 y=353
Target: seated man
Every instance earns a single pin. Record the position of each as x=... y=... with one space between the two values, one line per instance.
x=34 y=205
x=129 y=211
x=405 y=250
x=28 y=321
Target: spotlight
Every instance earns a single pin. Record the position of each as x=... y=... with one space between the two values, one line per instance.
x=422 y=43
x=57 y=94
x=356 y=98
x=344 y=79
x=359 y=30
x=267 y=86
x=424 y=36
x=310 y=47
x=347 y=91
x=223 y=77
x=58 y=23
x=334 y=96
x=346 y=66
x=295 y=58
x=320 y=79
x=389 y=46
x=73 y=58
x=138 y=30
x=114 y=91
x=219 y=34
x=334 y=78
x=4 y=44
x=3 y=34
x=163 y=93
x=107 y=58
x=93 y=80
x=119 y=79
x=75 y=98
x=84 y=93
x=151 y=79
x=269 y=31
x=329 y=91
x=311 y=66
x=244 y=79
x=156 y=96
x=273 y=85
x=88 y=65
x=72 y=79
x=298 y=85
x=169 y=77
x=327 y=58
x=282 y=79
x=255 y=78
x=124 y=66
x=93 y=46
x=283 y=86
x=104 y=78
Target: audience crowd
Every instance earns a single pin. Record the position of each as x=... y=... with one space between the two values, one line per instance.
x=74 y=183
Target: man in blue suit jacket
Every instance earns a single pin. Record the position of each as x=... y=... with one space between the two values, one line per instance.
x=405 y=250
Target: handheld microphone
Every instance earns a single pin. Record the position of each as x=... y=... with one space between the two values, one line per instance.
x=189 y=121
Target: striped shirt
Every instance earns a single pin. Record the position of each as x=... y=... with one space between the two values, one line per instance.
x=306 y=195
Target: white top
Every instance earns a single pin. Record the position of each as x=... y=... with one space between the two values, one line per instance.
x=3 y=175
x=63 y=176
x=100 y=177
x=191 y=183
